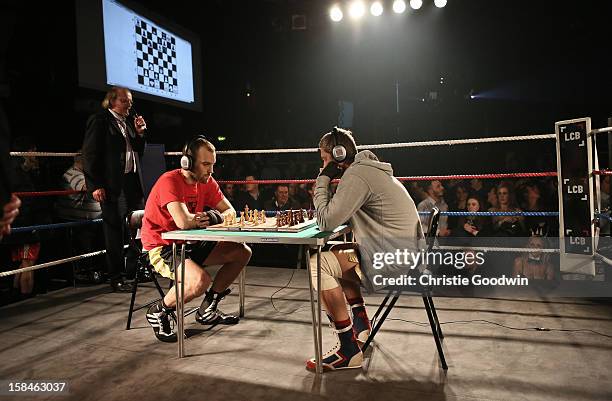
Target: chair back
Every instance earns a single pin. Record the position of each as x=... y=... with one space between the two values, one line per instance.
x=133 y=224
x=432 y=229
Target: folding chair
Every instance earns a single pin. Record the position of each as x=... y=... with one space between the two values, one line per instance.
x=133 y=223
x=436 y=330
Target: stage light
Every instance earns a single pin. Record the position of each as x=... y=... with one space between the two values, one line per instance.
x=376 y=9
x=335 y=13
x=221 y=138
x=416 y=4
x=399 y=6
x=440 y=3
x=356 y=9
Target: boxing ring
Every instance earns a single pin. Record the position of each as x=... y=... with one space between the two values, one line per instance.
x=591 y=181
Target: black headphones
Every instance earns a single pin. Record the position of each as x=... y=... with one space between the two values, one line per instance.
x=187 y=160
x=338 y=151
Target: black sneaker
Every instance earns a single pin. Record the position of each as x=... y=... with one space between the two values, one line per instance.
x=161 y=322
x=212 y=314
x=213 y=317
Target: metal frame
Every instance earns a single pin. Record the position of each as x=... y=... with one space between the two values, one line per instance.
x=569 y=258
x=317 y=240
x=430 y=308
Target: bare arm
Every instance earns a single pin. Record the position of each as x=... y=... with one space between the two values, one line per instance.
x=225 y=207
x=181 y=216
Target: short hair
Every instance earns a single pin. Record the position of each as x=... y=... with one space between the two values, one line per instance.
x=281 y=185
x=111 y=95
x=343 y=137
x=426 y=185
x=192 y=147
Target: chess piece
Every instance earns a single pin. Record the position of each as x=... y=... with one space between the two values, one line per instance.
x=291 y=219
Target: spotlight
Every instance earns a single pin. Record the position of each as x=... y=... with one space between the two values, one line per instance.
x=399 y=6
x=336 y=14
x=356 y=9
x=416 y=4
x=440 y=3
x=376 y=8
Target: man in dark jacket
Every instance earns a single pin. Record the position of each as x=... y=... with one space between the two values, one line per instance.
x=111 y=148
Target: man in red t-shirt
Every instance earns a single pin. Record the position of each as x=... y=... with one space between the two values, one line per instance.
x=189 y=198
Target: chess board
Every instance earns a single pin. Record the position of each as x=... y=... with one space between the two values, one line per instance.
x=269 y=225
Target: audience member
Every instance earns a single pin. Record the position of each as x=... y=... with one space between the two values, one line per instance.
x=534 y=264
x=250 y=197
x=25 y=246
x=79 y=207
x=228 y=191
x=507 y=226
x=435 y=197
x=281 y=200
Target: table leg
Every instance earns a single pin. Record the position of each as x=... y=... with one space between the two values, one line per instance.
x=319 y=337
x=179 y=273
x=242 y=285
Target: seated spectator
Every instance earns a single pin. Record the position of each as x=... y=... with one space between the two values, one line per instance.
x=435 y=197
x=458 y=204
x=535 y=264
x=477 y=189
x=299 y=195
x=509 y=226
x=492 y=201
x=471 y=226
x=79 y=207
x=281 y=200
x=251 y=197
x=532 y=202
x=228 y=191
x=25 y=246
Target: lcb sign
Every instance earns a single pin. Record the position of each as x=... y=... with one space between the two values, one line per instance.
x=572 y=136
x=575 y=189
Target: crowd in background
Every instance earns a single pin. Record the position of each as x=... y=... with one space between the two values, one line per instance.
x=40 y=174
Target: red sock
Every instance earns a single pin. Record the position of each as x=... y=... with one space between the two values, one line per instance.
x=342 y=324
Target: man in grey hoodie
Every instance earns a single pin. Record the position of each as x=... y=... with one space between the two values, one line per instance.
x=384 y=219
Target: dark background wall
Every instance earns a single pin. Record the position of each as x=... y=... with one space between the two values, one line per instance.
x=533 y=63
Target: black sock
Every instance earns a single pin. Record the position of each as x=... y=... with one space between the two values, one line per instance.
x=166 y=308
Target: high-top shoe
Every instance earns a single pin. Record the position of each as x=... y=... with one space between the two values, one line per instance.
x=346 y=354
x=161 y=321
x=212 y=314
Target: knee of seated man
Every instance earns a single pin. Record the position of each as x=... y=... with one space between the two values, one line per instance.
x=245 y=252
x=330 y=271
x=239 y=252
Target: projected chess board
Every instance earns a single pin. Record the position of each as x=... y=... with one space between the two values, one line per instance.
x=155 y=57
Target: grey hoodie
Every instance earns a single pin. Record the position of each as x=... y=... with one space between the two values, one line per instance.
x=378 y=208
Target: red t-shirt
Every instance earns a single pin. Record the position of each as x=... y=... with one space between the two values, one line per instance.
x=171 y=187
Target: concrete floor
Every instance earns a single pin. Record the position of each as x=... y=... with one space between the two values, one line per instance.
x=79 y=336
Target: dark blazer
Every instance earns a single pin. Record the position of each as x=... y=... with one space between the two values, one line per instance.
x=104 y=152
